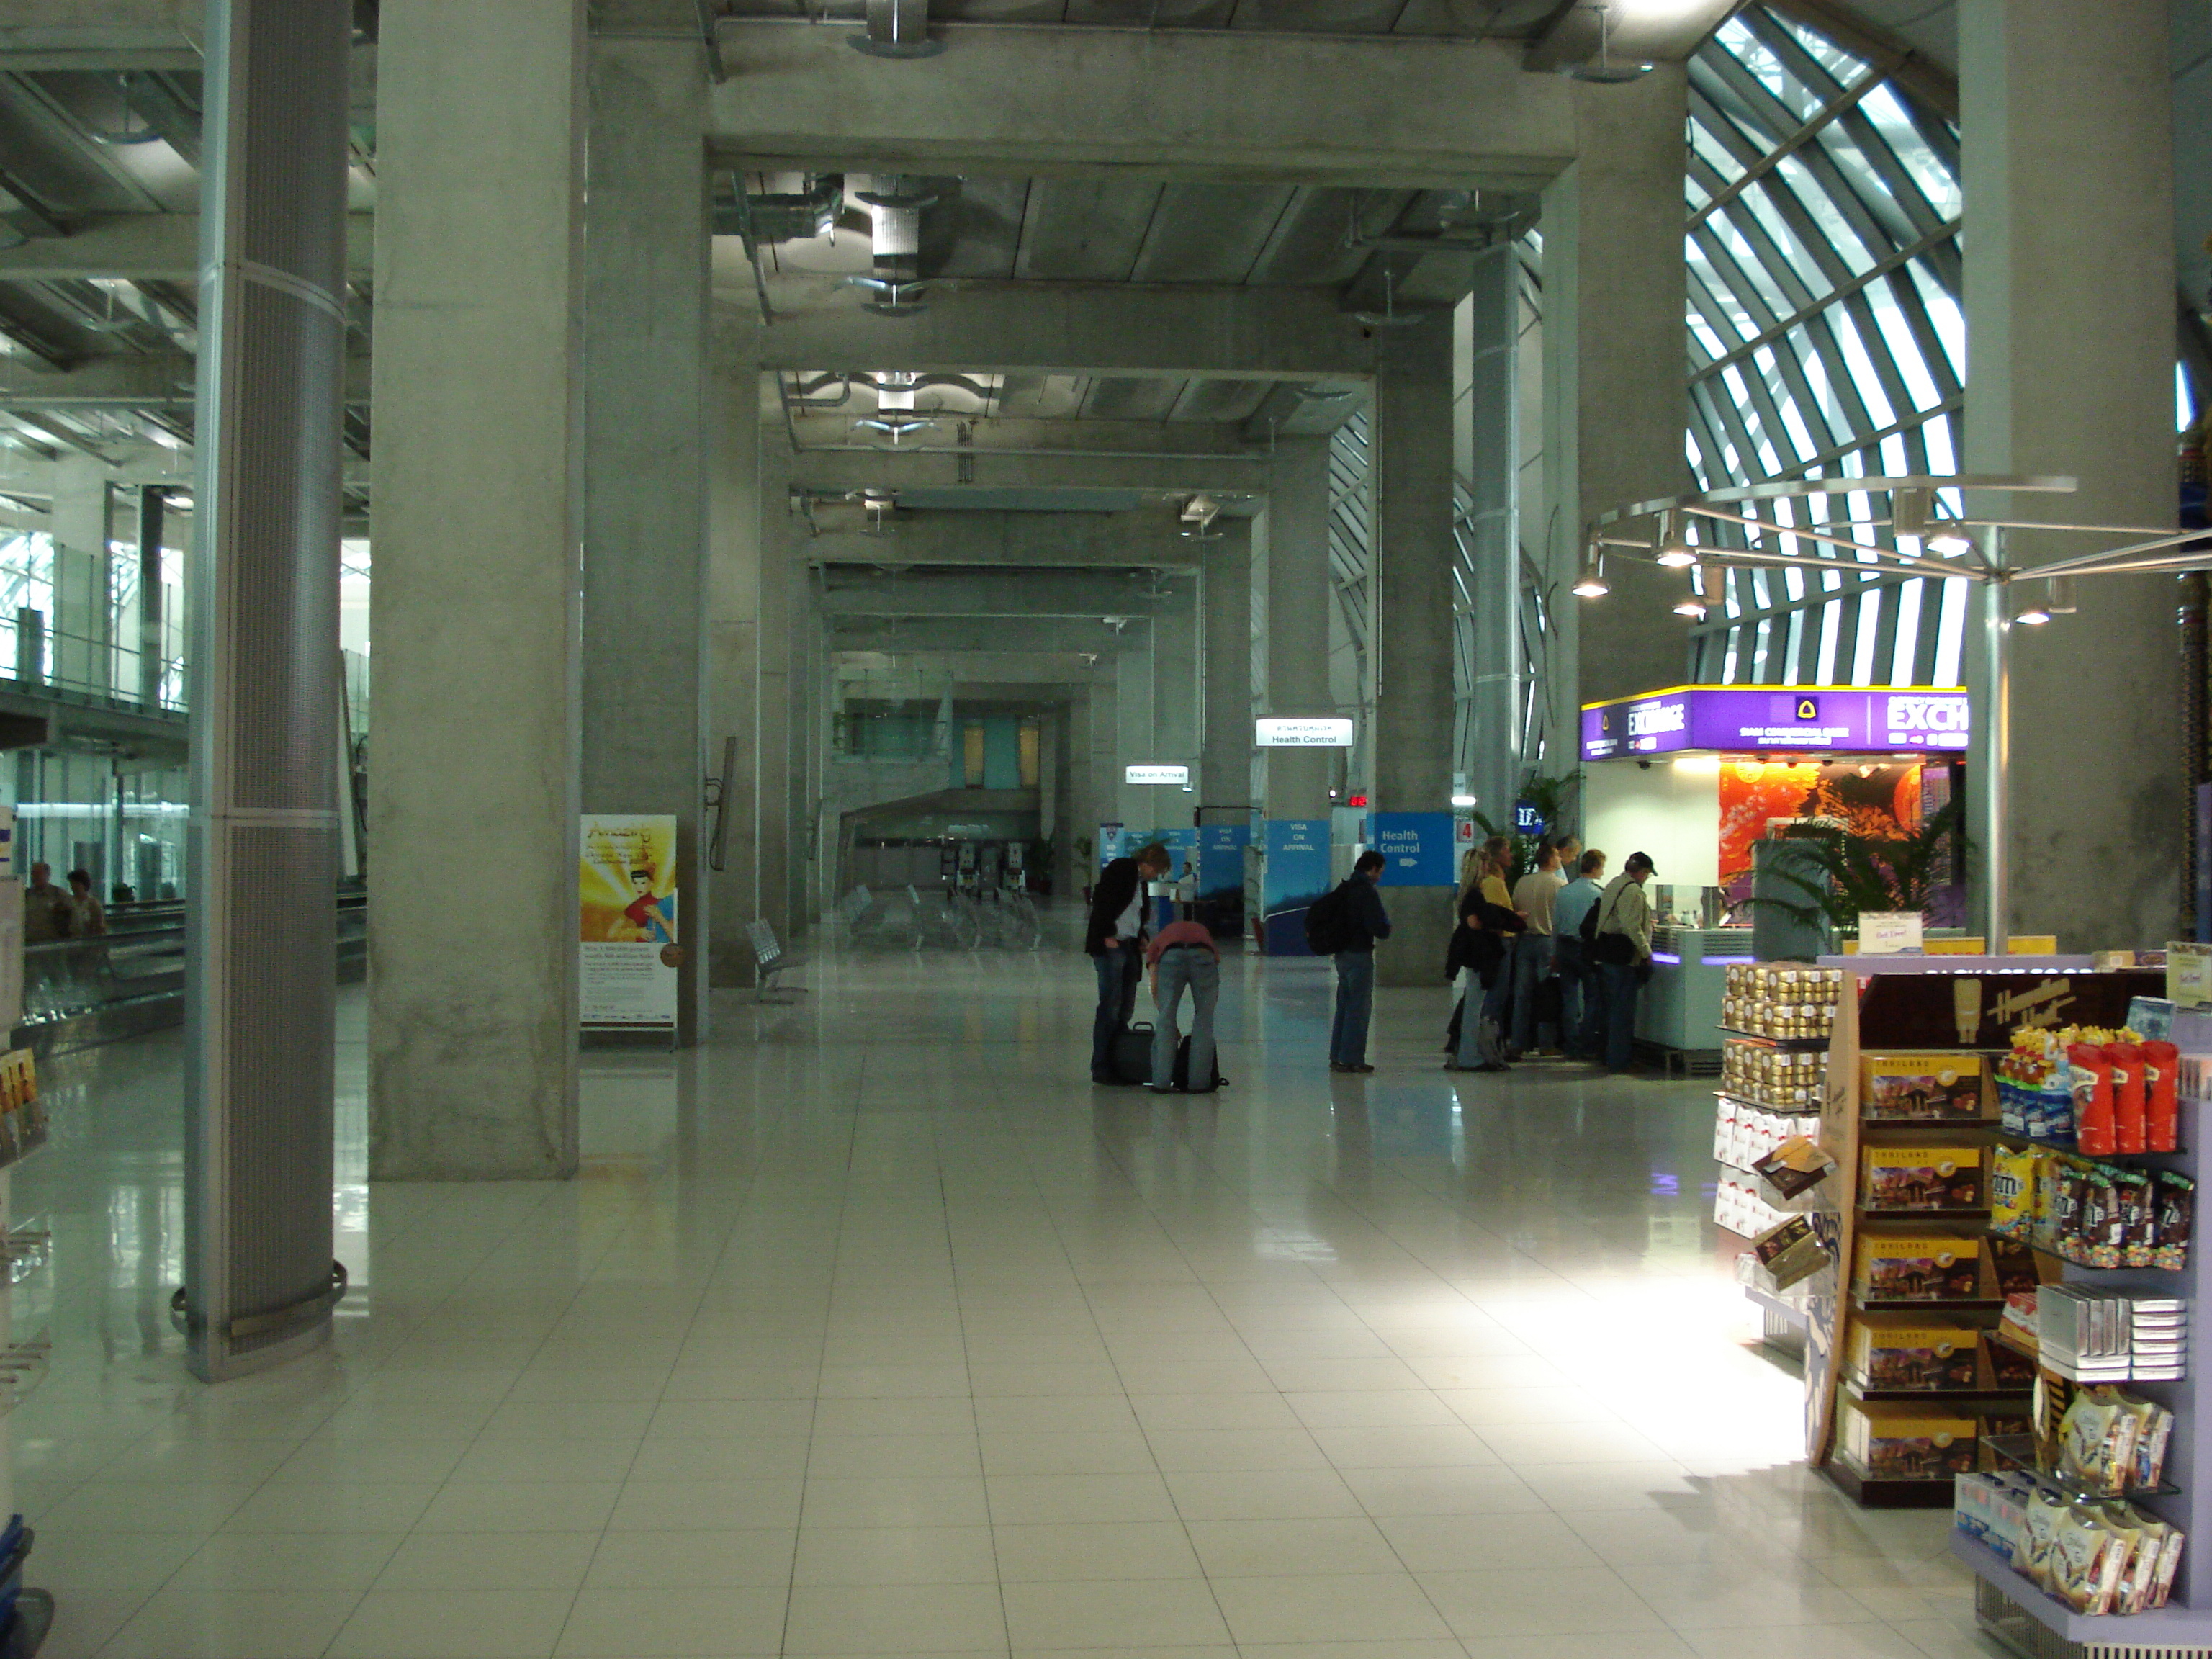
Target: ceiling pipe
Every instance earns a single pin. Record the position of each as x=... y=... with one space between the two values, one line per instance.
x=896 y=28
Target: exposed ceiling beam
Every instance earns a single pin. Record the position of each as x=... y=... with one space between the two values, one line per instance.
x=1034 y=540
x=103 y=34
x=1002 y=593
x=1078 y=328
x=144 y=247
x=1046 y=101
x=1638 y=33
x=155 y=380
x=985 y=635
x=828 y=470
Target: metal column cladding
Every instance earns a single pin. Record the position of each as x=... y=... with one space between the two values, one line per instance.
x=261 y=948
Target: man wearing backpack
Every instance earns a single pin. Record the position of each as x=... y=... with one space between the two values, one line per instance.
x=1344 y=926
x=1622 y=947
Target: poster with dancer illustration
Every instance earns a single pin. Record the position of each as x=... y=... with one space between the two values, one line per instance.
x=628 y=937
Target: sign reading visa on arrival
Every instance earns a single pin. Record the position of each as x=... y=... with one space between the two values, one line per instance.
x=1801 y=717
x=1155 y=774
x=1328 y=732
x=1416 y=849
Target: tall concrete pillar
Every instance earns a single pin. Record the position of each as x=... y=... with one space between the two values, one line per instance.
x=261 y=936
x=1105 y=729
x=2066 y=137
x=1411 y=650
x=80 y=650
x=1616 y=396
x=479 y=283
x=645 y=660
x=774 y=731
x=1135 y=731
x=1225 y=690
x=734 y=564
x=1177 y=686
x=1297 y=596
x=1490 y=463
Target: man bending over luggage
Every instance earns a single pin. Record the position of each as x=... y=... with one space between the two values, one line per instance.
x=1115 y=940
x=1183 y=957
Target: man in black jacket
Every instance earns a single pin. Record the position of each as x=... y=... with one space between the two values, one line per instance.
x=1114 y=938
x=1365 y=921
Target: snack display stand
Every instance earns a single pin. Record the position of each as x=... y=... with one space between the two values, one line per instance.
x=2015 y=1611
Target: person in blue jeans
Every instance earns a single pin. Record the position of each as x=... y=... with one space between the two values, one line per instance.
x=1182 y=958
x=1365 y=922
x=1580 y=1023
x=1624 y=952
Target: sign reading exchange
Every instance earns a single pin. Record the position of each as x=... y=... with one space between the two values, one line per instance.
x=1739 y=717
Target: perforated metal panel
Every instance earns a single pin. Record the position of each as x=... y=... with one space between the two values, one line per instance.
x=2010 y=1623
x=261 y=951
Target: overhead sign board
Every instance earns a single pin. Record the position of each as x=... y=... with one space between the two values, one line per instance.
x=1416 y=846
x=1155 y=774
x=1330 y=732
x=1746 y=717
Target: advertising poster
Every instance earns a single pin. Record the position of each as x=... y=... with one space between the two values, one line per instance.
x=1221 y=861
x=629 y=937
x=1880 y=799
x=1297 y=873
x=1417 y=848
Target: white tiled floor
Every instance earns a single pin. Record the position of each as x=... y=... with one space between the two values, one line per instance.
x=873 y=1329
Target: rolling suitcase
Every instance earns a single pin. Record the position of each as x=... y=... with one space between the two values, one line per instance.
x=1133 y=1053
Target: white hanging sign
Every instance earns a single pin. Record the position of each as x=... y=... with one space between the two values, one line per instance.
x=1155 y=774
x=1328 y=732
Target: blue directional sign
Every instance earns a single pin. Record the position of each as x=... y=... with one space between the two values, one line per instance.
x=1416 y=849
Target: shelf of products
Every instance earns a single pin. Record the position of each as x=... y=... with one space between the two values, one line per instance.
x=1782 y=1002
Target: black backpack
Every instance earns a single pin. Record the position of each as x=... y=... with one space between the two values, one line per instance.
x=1328 y=923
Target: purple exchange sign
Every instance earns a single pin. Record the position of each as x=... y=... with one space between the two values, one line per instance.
x=1789 y=718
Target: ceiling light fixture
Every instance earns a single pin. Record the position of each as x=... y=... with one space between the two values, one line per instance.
x=1592 y=584
x=1950 y=542
x=1691 y=607
x=1675 y=552
x=1604 y=71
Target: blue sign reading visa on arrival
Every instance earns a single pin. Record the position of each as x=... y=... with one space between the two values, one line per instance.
x=1416 y=849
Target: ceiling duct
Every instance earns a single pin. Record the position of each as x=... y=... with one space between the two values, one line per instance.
x=784 y=216
x=897 y=28
x=894 y=205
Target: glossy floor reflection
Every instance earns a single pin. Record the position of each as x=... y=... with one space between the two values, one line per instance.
x=872 y=1329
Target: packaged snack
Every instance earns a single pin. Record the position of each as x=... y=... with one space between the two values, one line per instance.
x=2139 y=1578
x=1921 y=1178
x=1893 y=1351
x=2101 y=1242
x=2014 y=1267
x=1898 y=1442
x=2177 y=1205
x=2128 y=1105
x=2081 y=1562
x=2038 y=1537
x=2154 y=1432
x=2012 y=1192
x=1791 y=1251
x=1792 y=1167
x=2138 y=1218
x=2161 y=1097
x=1905 y=1088
x=1918 y=1269
x=2071 y=1187
x=2042 y=1225
x=2096 y=1441
x=2169 y=1562
x=2092 y=1099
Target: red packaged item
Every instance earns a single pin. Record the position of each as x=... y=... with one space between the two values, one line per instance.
x=2127 y=1096
x=2092 y=1099
x=2162 y=1066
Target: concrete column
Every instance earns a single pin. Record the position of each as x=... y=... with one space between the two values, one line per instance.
x=1490 y=463
x=2067 y=137
x=1411 y=650
x=152 y=502
x=1105 y=748
x=79 y=653
x=260 y=947
x=1072 y=869
x=733 y=567
x=645 y=457
x=479 y=280
x=1226 y=691
x=1298 y=596
x=1616 y=397
x=773 y=727
x=1176 y=683
x=1135 y=732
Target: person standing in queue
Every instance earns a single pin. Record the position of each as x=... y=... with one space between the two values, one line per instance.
x=1580 y=1019
x=1114 y=939
x=1496 y=888
x=1533 y=952
x=1363 y=920
x=1624 y=955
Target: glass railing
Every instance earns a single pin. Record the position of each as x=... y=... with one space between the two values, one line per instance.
x=82 y=991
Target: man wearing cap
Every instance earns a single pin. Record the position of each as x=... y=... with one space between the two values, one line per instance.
x=1624 y=955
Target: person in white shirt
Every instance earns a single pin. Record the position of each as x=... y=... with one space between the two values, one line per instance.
x=1532 y=956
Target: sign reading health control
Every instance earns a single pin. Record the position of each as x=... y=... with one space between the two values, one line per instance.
x=1416 y=849
x=1327 y=733
x=1744 y=717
